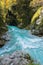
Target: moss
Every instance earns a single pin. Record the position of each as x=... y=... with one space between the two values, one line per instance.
x=35 y=3
x=36 y=15
x=22 y=12
x=37 y=22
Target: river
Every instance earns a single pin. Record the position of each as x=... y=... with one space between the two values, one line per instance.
x=21 y=39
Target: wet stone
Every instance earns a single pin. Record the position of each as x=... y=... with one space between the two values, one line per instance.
x=16 y=58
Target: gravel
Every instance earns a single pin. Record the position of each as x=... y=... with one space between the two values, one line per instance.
x=16 y=58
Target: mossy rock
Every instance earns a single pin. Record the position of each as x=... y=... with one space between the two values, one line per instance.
x=35 y=5
x=22 y=13
x=37 y=22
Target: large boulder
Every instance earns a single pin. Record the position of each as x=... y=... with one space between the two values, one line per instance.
x=37 y=22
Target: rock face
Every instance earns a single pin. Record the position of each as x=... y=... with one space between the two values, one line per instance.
x=3 y=30
x=11 y=18
x=3 y=26
x=16 y=58
x=4 y=38
x=37 y=22
x=35 y=3
x=19 y=13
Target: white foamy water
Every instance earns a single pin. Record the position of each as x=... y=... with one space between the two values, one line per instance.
x=25 y=41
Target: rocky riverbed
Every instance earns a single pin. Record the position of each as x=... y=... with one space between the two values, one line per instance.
x=16 y=58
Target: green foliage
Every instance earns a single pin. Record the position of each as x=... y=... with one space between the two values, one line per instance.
x=36 y=4
x=36 y=15
x=22 y=12
x=33 y=64
x=37 y=22
x=3 y=27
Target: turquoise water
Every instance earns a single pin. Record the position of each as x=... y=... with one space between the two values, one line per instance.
x=21 y=39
